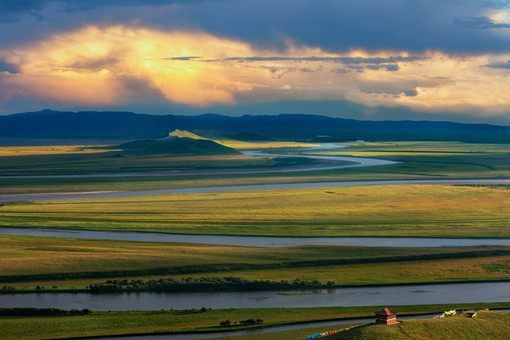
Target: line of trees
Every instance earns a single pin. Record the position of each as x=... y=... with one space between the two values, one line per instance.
x=204 y=284
x=25 y=311
x=248 y=322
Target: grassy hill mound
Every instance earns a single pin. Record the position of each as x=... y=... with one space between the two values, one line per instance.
x=178 y=142
x=485 y=325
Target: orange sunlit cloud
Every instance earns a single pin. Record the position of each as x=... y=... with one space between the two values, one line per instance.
x=117 y=64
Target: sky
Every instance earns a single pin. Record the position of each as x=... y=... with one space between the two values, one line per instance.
x=363 y=59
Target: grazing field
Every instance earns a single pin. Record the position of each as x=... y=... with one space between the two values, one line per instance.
x=391 y=210
x=64 y=264
x=134 y=322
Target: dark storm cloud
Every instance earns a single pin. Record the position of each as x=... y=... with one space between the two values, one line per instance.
x=342 y=25
x=333 y=25
x=6 y=67
x=20 y=6
x=499 y=65
x=410 y=93
x=480 y=22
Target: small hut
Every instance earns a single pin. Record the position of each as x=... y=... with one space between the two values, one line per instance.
x=386 y=317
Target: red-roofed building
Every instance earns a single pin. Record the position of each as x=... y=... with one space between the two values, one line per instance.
x=386 y=317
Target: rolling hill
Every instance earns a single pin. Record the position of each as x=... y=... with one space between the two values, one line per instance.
x=178 y=142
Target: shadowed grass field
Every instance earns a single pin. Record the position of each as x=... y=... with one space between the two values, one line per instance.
x=391 y=210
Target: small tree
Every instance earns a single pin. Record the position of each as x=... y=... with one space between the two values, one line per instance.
x=225 y=323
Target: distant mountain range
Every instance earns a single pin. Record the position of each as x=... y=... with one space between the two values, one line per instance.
x=128 y=125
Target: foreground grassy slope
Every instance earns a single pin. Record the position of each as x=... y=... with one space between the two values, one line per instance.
x=395 y=210
x=63 y=264
x=486 y=325
x=118 y=323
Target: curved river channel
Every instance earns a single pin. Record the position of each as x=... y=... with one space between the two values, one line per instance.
x=333 y=162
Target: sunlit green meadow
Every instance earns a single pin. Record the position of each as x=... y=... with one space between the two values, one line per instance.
x=391 y=210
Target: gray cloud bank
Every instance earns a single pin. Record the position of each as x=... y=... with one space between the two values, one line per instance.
x=502 y=65
x=480 y=22
x=417 y=25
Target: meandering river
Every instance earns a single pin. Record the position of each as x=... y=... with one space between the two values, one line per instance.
x=334 y=162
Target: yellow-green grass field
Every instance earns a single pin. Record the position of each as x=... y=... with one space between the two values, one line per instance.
x=35 y=150
x=390 y=210
x=64 y=264
x=136 y=322
x=49 y=150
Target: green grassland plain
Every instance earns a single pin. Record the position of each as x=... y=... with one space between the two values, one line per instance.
x=390 y=210
x=122 y=323
x=60 y=264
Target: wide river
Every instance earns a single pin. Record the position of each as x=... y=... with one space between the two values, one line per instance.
x=362 y=296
